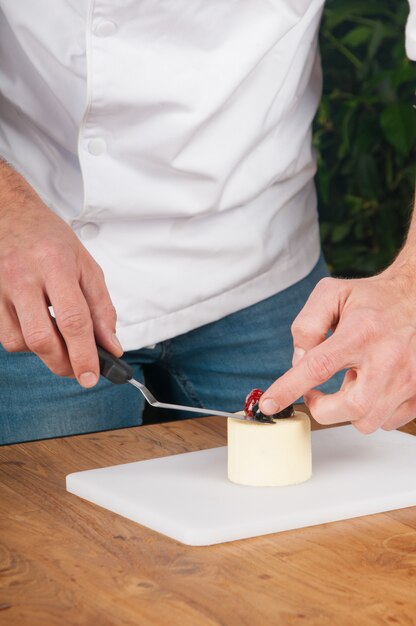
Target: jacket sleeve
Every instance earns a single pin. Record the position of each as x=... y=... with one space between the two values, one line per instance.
x=411 y=32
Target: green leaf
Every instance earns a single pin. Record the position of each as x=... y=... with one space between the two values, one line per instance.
x=339 y=232
x=357 y=36
x=376 y=39
x=398 y=122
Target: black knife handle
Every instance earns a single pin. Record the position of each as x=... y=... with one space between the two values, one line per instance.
x=115 y=370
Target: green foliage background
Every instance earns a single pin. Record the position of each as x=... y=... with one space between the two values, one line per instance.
x=365 y=134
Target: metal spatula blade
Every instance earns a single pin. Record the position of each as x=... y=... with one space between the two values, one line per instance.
x=119 y=372
x=179 y=407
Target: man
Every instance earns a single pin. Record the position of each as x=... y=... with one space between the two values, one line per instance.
x=166 y=146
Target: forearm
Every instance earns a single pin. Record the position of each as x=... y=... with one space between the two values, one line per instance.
x=15 y=192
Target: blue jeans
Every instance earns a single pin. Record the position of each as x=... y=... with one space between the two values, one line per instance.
x=214 y=366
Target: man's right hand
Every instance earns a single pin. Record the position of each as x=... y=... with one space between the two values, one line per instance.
x=43 y=263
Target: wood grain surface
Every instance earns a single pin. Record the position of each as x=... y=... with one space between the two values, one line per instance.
x=64 y=561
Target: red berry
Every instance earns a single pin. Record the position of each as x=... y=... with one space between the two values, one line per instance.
x=251 y=400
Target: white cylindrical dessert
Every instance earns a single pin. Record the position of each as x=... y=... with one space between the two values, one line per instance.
x=270 y=455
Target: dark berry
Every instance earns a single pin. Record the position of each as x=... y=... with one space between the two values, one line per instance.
x=251 y=408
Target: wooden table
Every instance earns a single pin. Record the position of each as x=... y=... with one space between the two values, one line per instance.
x=65 y=561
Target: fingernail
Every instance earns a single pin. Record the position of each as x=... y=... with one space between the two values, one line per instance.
x=269 y=406
x=298 y=354
x=116 y=342
x=88 y=379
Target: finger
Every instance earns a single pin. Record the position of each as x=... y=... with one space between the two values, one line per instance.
x=75 y=324
x=342 y=407
x=358 y=401
x=316 y=367
x=388 y=375
x=319 y=315
x=349 y=378
x=331 y=408
x=11 y=336
x=38 y=332
x=102 y=311
x=404 y=414
x=330 y=411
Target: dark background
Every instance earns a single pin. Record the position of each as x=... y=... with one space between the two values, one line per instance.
x=365 y=135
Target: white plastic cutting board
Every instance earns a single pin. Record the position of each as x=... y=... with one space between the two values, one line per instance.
x=189 y=498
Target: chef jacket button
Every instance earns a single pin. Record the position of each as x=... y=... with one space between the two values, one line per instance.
x=105 y=28
x=89 y=230
x=97 y=146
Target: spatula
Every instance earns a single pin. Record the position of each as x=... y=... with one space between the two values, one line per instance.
x=119 y=372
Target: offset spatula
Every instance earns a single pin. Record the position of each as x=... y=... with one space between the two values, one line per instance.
x=119 y=372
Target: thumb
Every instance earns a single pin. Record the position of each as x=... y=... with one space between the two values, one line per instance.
x=320 y=314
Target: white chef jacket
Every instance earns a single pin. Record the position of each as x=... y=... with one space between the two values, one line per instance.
x=174 y=137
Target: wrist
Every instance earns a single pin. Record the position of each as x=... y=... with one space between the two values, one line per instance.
x=404 y=264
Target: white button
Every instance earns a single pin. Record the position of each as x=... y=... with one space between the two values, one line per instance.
x=105 y=28
x=89 y=230
x=97 y=146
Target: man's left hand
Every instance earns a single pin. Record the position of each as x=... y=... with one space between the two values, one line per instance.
x=373 y=324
